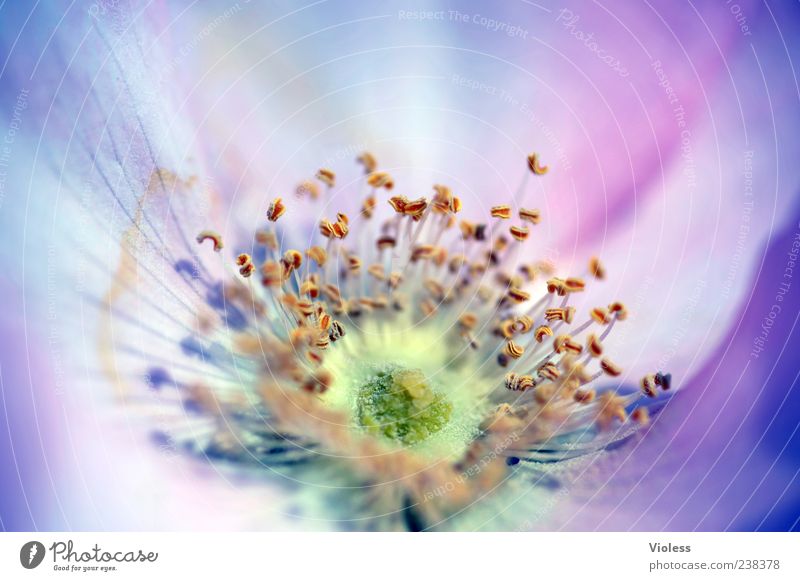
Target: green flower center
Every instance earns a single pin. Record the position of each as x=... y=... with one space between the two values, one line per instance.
x=400 y=405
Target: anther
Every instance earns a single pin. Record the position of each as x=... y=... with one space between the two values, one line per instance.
x=506 y=328
x=377 y=271
x=310 y=288
x=444 y=201
x=385 y=242
x=307 y=188
x=523 y=324
x=515 y=382
x=327 y=177
x=600 y=315
x=518 y=295
x=619 y=310
x=610 y=367
x=368 y=207
x=325 y=322
x=641 y=416
x=271 y=274
x=368 y=161
x=213 y=236
x=565 y=343
x=246 y=266
x=594 y=346
x=276 y=210
x=336 y=331
x=549 y=371
x=528 y=271
x=664 y=380
x=612 y=407
x=541 y=332
x=648 y=385
x=513 y=350
x=575 y=285
x=428 y=307
x=467 y=229
x=292 y=259
x=535 y=167
x=520 y=233
x=456 y=262
x=332 y=292
x=318 y=255
x=468 y=320
x=503 y=212
x=414 y=208
x=560 y=314
x=422 y=252
x=596 y=268
x=353 y=263
x=380 y=179
x=435 y=288
x=532 y=216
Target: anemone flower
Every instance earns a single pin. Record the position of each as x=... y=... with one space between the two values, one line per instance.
x=408 y=267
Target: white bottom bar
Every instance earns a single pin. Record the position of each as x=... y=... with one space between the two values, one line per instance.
x=378 y=557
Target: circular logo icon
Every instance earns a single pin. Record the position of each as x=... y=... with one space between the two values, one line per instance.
x=31 y=554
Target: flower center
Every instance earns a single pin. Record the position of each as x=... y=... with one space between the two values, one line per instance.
x=400 y=405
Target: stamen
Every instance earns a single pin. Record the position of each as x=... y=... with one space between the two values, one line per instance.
x=610 y=367
x=276 y=210
x=518 y=295
x=318 y=255
x=516 y=382
x=594 y=346
x=406 y=207
x=600 y=315
x=541 y=332
x=368 y=207
x=513 y=350
x=564 y=343
x=502 y=212
x=368 y=161
x=520 y=233
x=549 y=371
x=213 y=236
x=664 y=380
x=596 y=268
x=271 y=274
x=535 y=167
x=380 y=180
x=523 y=324
x=246 y=266
x=574 y=285
x=619 y=310
x=307 y=188
x=641 y=416
x=452 y=278
x=327 y=177
x=532 y=216
x=560 y=314
x=649 y=386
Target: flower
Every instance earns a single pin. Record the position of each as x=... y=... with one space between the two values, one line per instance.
x=421 y=356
